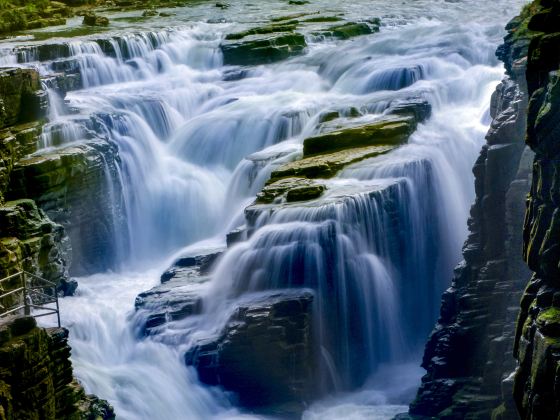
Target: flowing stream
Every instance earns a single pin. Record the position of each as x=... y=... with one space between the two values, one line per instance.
x=197 y=141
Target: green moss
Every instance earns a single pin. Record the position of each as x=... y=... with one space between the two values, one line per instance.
x=327 y=165
x=394 y=130
x=284 y=27
x=290 y=17
x=548 y=322
x=321 y=19
x=263 y=49
x=349 y=30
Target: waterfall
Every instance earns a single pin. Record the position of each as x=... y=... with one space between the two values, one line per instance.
x=197 y=141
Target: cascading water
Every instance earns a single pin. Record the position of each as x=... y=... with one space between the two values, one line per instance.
x=197 y=141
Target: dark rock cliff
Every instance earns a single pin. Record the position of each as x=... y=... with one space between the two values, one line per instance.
x=36 y=379
x=69 y=184
x=537 y=340
x=468 y=355
x=470 y=370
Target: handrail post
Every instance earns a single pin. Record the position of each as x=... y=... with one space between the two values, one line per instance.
x=57 y=307
x=27 y=308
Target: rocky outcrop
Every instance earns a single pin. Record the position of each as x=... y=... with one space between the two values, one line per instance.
x=537 y=342
x=279 y=40
x=29 y=240
x=72 y=184
x=468 y=355
x=178 y=296
x=259 y=49
x=274 y=328
x=342 y=142
x=36 y=379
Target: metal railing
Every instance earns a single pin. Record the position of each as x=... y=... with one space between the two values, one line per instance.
x=32 y=297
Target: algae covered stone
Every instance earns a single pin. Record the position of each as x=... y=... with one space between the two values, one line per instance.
x=292 y=189
x=393 y=130
x=327 y=165
x=256 y=49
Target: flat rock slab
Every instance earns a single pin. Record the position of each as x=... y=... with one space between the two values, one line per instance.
x=292 y=190
x=389 y=130
x=259 y=49
x=327 y=165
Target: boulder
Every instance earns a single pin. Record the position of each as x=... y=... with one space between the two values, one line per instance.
x=36 y=376
x=91 y=19
x=179 y=294
x=21 y=97
x=30 y=241
x=349 y=30
x=15 y=143
x=259 y=49
x=290 y=189
x=289 y=26
x=390 y=130
x=265 y=352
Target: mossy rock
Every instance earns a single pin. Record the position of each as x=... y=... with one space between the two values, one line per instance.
x=21 y=97
x=263 y=30
x=548 y=322
x=322 y=19
x=305 y=193
x=257 y=49
x=91 y=19
x=349 y=30
x=328 y=165
x=290 y=189
x=393 y=130
x=22 y=219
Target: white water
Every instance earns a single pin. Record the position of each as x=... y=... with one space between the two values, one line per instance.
x=183 y=133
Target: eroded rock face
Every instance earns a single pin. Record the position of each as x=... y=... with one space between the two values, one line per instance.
x=21 y=97
x=179 y=294
x=262 y=49
x=265 y=352
x=72 y=185
x=29 y=240
x=537 y=346
x=468 y=355
x=36 y=380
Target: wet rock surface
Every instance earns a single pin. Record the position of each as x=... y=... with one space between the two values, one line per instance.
x=29 y=240
x=36 y=379
x=70 y=184
x=263 y=49
x=275 y=329
x=179 y=294
x=537 y=342
x=468 y=355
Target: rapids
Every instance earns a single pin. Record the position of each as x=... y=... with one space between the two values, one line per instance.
x=198 y=140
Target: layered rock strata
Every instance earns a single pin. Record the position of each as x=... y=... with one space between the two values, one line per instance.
x=468 y=356
x=36 y=379
x=275 y=329
x=266 y=349
x=29 y=240
x=537 y=340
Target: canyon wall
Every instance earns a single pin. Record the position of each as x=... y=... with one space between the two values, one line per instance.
x=36 y=379
x=537 y=339
x=470 y=368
